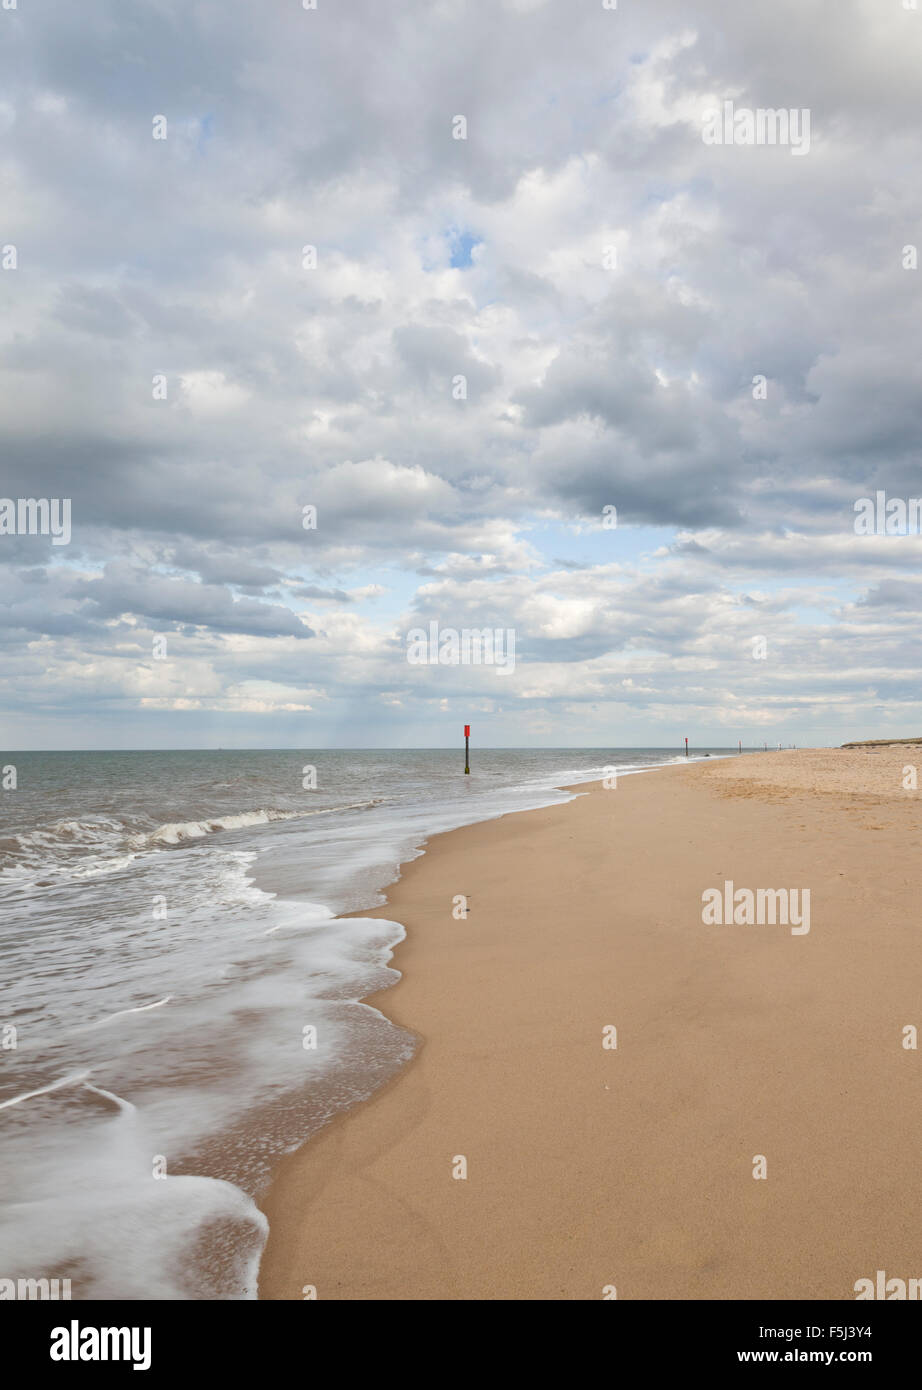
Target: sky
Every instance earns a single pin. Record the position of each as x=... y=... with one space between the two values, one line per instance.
x=463 y=278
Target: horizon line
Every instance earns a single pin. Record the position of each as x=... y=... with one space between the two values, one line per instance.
x=420 y=748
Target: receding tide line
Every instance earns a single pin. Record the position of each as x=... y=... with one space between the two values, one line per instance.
x=75 y=1078
x=123 y=1013
x=123 y=1105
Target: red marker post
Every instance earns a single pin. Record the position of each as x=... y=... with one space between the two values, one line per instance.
x=467 y=754
x=686 y=748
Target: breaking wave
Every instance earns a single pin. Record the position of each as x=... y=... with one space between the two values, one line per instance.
x=175 y=832
x=85 y=849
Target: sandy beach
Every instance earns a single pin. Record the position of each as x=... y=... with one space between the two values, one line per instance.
x=591 y=1167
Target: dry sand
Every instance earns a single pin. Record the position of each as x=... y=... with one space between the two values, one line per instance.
x=589 y=1167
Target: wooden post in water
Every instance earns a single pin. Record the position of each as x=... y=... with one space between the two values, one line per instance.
x=686 y=747
x=467 y=748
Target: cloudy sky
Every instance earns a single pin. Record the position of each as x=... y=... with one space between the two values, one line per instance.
x=607 y=284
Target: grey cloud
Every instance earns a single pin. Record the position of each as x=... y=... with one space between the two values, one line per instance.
x=329 y=595
x=123 y=590
x=586 y=388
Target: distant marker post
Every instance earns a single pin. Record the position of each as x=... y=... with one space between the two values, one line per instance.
x=686 y=747
x=467 y=748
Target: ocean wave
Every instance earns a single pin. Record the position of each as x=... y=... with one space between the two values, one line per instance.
x=77 y=849
x=70 y=834
x=175 y=832
x=87 y=849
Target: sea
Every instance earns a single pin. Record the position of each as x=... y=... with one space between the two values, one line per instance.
x=182 y=996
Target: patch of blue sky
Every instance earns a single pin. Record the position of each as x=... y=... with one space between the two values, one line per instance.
x=621 y=544
x=398 y=586
x=454 y=246
x=461 y=244
x=54 y=560
x=813 y=617
x=839 y=591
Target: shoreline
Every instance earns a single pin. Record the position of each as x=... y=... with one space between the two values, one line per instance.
x=633 y=1166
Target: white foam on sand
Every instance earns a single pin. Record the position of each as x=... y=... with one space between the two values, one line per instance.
x=121 y=1232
